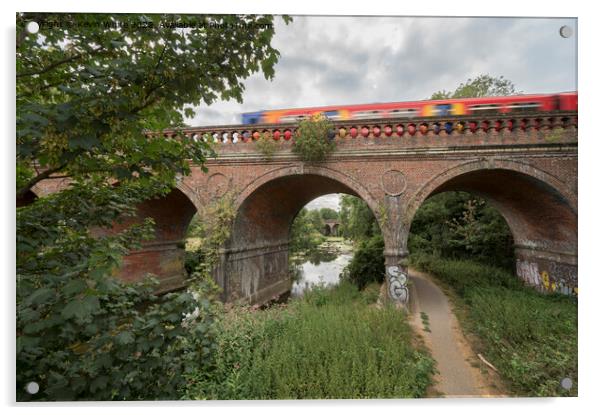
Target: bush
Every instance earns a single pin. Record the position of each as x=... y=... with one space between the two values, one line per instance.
x=266 y=146
x=367 y=264
x=85 y=335
x=314 y=139
x=458 y=225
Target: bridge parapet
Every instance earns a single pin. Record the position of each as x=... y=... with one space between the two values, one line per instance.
x=494 y=129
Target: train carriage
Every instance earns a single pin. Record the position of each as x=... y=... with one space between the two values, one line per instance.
x=565 y=101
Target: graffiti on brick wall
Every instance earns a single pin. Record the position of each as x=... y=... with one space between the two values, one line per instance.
x=398 y=289
x=530 y=273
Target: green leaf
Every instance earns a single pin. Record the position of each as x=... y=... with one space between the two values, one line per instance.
x=99 y=382
x=85 y=141
x=74 y=287
x=125 y=337
x=40 y=296
x=81 y=309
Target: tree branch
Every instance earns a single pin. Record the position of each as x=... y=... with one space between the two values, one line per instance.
x=44 y=175
x=51 y=66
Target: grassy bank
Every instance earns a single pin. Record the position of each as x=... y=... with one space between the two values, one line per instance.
x=530 y=337
x=332 y=343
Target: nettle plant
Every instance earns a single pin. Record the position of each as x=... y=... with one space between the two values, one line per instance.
x=314 y=139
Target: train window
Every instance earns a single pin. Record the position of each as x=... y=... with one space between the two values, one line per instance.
x=522 y=106
x=332 y=115
x=367 y=114
x=485 y=108
x=292 y=118
x=442 y=109
x=403 y=112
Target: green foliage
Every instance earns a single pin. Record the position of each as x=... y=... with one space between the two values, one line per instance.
x=82 y=334
x=312 y=142
x=463 y=275
x=211 y=227
x=530 y=337
x=481 y=86
x=152 y=75
x=359 y=224
x=367 y=264
x=332 y=343
x=316 y=219
x=328 y=213
x=459 y=225
x=86 y=91
x=357 y=219
x=266 y=146
x=304 y=236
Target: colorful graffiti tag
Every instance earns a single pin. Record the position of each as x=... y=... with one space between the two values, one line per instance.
x=530 y=273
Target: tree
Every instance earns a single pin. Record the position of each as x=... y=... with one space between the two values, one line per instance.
x=87 y=87
x=357 y=220
x=481 y=86
x=328 y=213
x=462 y=226
x=316 y=220
x=368 y=262
x=304 y=235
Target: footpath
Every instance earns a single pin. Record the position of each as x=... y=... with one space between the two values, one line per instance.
x=461 y=373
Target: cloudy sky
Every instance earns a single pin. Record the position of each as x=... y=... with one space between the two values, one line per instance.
x=354 y=60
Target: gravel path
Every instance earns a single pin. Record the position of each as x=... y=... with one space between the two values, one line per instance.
x=432 y=311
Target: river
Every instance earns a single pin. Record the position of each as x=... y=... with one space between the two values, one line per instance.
x=321 y=266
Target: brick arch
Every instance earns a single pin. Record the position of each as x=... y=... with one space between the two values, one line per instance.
x=255 y=263
x=488 y=164
x=163 y=256
x=358 y=189
x=190 y=193
x=540 y=210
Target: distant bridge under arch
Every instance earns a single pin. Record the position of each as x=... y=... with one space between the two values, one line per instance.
x=332 y=227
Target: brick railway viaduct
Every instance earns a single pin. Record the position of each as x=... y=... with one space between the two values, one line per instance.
x=524 y=165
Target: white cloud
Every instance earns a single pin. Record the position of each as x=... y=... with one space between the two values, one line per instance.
x=331 y=201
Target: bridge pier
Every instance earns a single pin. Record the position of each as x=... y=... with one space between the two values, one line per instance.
x=396 y=251
x=163 y=259
x=547 y=270
x=255 y=274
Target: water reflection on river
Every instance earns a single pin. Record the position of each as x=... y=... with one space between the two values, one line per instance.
x=324 y=265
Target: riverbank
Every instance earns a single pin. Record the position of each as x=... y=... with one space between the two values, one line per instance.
x=332 y=343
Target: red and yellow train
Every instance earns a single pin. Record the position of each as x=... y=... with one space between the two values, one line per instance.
x=565 y=101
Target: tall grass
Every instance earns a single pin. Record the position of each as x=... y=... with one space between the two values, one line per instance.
x=332 y=343
x=530 y=337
